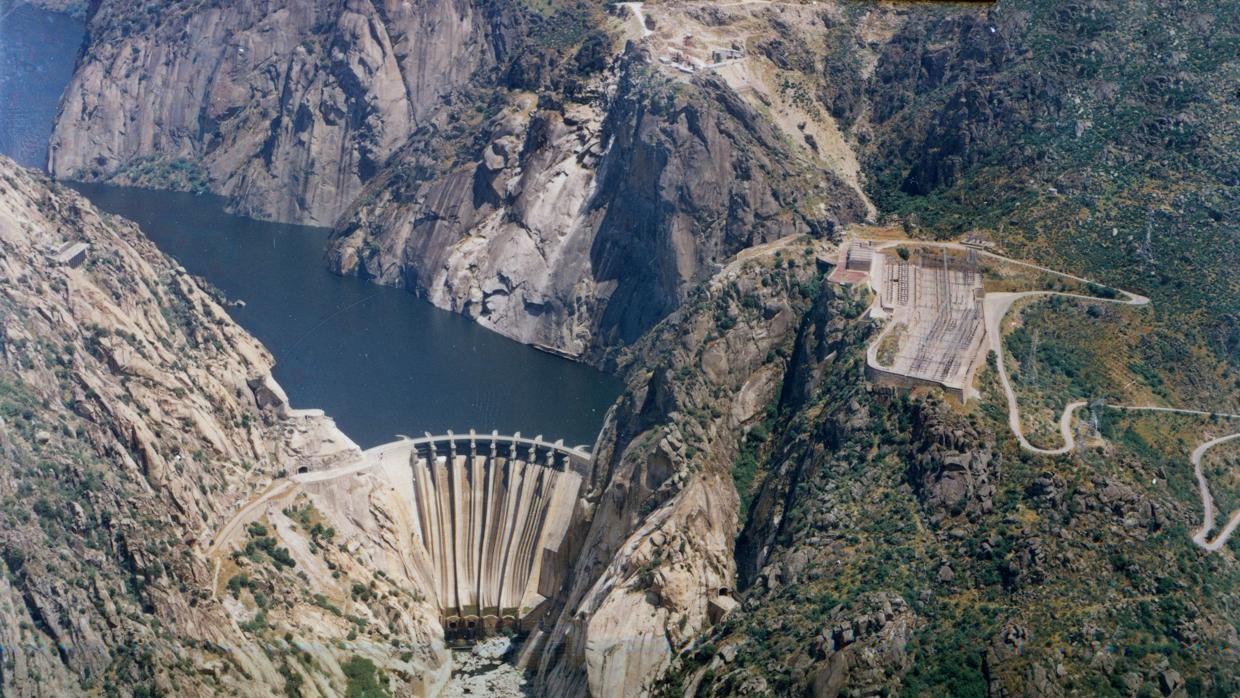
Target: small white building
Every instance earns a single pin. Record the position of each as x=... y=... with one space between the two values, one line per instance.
x=860 y=257
x=72 y=254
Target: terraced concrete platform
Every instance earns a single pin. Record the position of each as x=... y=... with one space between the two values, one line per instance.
x=937 y=330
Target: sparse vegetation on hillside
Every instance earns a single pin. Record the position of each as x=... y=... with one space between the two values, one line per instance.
x=1120 y=167
x=157 y=173
x=363 y=679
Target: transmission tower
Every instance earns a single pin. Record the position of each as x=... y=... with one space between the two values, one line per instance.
x=1095 y=409
x=1030 y=369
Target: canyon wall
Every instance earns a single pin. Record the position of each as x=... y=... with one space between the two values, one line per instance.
x=581 y=224
x=135 y=417
x=656 y=567
x=286 y=108
x=479 y=153
x=849 y=537
x=523 y=169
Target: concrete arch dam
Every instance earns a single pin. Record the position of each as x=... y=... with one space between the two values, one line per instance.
x=494 y=518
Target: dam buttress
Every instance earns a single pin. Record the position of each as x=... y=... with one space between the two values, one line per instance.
x=493 y=516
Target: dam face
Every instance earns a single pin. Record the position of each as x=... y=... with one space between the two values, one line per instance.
x=493 y=518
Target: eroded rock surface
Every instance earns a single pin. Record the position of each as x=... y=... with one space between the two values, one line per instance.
x=578 y=225
x=657 y=565
x=954 y=465
x=137 y=418
x=286 y=108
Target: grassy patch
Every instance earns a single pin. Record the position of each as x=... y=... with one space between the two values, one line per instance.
x=889 y=346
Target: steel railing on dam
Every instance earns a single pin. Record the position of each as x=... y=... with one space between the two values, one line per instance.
x=494 y=516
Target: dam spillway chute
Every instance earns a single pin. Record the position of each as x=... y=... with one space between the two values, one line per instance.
x=493 y=527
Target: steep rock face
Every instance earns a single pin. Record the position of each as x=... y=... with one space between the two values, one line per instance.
x=285 y=107
x=860 y=647
x=824 y=351
x=135 y=416
x=953 y=467
x=74 y=8
x=580 y=225
x=656 y=564
x=575 y=219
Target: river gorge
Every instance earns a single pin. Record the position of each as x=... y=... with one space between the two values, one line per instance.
x=378 y=360
x=375 y=348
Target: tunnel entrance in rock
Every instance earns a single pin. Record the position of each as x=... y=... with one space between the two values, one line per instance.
x=495 y=521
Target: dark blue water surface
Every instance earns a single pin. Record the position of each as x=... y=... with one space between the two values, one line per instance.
x=37 y=53
x=379 y=360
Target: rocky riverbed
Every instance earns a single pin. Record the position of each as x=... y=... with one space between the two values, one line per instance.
x=483 y=671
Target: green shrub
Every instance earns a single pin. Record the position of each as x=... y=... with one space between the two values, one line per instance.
x=363 y=679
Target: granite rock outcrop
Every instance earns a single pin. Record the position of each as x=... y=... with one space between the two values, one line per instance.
x=135 y=416
x=285 y=108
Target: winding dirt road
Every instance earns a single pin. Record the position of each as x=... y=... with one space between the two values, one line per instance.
x=1207 y=502
x=276 y=489
x=994 y=307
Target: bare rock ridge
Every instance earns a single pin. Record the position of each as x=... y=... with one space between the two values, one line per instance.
x=656 y=512
x=139 y=424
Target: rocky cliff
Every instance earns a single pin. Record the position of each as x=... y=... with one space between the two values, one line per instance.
x=656 y=566
x=518 y=167
x=411 y=128
x=766 y=523
x=135 y=417
x=762 y=521
x=286 y=108
x=579 y=224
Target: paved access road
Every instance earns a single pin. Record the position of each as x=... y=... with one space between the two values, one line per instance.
x=994 y=307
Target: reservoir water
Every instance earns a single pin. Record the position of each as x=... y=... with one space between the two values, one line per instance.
x=379 y=360
x=37 y=52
